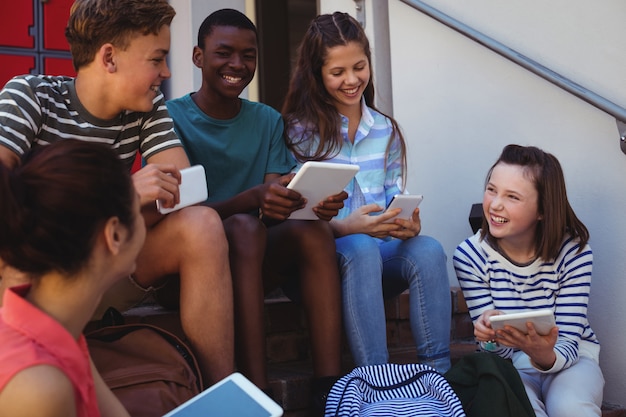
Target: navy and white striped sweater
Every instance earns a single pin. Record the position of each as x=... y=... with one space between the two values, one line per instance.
x=491 y=281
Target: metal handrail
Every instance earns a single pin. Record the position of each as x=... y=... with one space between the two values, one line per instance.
x=531 y=65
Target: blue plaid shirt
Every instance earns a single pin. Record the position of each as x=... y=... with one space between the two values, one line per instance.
x=376 y=182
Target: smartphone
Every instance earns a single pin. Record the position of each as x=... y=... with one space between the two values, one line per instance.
x=234 y=395
x=193 y=189
x=407 y=202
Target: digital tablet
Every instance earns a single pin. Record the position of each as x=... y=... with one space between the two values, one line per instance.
x=192 y=188
x=317 y=181
x=407 y=202
x=234 y=395
x=543 y=320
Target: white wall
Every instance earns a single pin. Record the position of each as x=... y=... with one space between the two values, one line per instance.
x=459 y=104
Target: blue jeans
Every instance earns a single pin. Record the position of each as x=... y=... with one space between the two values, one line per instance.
x=372 y=270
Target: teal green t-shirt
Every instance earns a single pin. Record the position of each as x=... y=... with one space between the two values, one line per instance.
x=236 y=153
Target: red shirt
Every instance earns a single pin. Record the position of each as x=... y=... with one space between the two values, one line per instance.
x=30 y=337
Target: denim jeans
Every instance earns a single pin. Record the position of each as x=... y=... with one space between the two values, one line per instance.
x=372 y=270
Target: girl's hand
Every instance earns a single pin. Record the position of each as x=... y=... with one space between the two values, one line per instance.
x=408 y=228
x=360 y=221
x=539 y=348
x=482 y=326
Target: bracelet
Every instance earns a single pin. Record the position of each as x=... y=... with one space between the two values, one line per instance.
x=489 y=345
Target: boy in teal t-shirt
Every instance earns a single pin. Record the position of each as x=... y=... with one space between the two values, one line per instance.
x=241 y=146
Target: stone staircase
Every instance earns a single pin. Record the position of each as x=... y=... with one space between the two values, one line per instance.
x=289 y=362
x=288 y=354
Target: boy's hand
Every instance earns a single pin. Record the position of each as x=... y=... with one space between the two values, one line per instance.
x=276 y=201
x=158 y=182
x=329 y=208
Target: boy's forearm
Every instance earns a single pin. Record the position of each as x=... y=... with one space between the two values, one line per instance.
x=8 y=158
x=244 y=202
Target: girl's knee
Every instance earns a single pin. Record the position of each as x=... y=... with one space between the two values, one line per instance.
x=358 y=244
x=568 y=406
x=431 y=247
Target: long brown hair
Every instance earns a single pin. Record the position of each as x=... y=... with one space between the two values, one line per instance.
x=307 y=101
x=558 y=217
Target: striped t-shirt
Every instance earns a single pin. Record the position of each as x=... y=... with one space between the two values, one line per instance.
x=39 y=110
x=490 y=281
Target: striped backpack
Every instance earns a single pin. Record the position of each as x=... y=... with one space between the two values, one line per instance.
x=393 y=390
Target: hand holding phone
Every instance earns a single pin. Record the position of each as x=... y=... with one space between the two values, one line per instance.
x=192 y=189
x=407 y=202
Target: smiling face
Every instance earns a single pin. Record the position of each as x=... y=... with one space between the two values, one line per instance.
x=345 y=74
x=228 y=61
x=510 y=205
x=142 y=68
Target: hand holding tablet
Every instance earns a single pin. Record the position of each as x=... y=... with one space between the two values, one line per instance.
x=192 y=189
x=317 y=181
x=542 y=319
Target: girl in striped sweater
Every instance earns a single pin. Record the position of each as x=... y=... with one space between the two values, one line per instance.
x=532 y=253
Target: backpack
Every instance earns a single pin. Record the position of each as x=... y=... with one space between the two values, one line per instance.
x=150 y=370
x=487 y=384
x=393 y=390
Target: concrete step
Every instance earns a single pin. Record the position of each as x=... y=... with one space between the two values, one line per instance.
x=289 y=360
x=290 y=368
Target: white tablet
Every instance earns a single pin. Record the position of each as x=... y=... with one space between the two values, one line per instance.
x=407 y=202
x=234 y=395
x=192 y=188
x=317 y=181
x=543 y=320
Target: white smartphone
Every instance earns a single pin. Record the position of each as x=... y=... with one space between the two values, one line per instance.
x=407 y=202
x=542 y=319
x=192 y=189
x=318 y=180
x=234 y=395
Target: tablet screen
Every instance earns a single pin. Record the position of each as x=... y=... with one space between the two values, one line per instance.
x=224 y=401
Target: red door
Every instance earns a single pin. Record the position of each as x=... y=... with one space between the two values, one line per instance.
x=55 y=15
x=16 y=19
x=29 y=44
x=12 y=65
